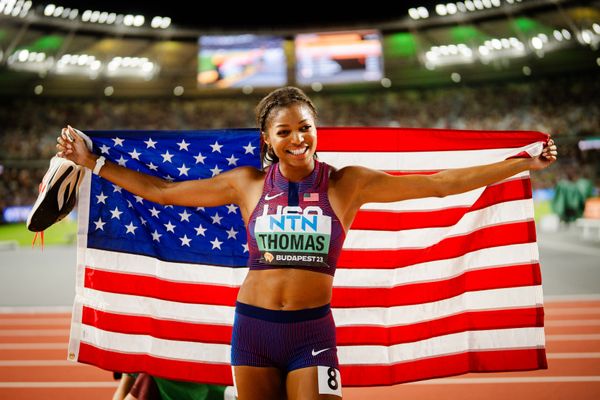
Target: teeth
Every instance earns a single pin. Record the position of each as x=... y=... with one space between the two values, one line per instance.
x=298 y=152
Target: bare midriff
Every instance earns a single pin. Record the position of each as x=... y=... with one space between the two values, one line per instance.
x=286 y=289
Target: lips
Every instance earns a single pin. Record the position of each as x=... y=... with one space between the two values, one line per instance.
x=298 y=152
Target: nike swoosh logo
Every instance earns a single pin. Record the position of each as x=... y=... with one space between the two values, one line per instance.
x=267 y=197
x=314 y=353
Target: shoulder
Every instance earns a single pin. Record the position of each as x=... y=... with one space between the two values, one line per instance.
x=349 y=174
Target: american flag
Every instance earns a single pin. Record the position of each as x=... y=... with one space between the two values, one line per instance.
x=424 y=288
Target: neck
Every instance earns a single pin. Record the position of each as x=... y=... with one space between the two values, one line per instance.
x=296 y=173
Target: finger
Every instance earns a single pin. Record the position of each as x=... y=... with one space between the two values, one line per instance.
x=73 y=133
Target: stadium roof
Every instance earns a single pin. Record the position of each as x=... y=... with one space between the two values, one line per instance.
x=406 y=42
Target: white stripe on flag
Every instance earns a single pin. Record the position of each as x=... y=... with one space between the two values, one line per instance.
x=461 y=342
x=163 y=348
x=179 y=272
x=497 y=214
x=421 y=160
x=494 y=299
x=493 y=257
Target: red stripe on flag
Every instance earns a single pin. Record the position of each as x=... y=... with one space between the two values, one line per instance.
x=493 y=236
x=345 y=139
x=518 y=189
x=218 y=374
x=436 y=367
x=483 y=279
x=160 y=328
x=465 y=321
x=150 y=286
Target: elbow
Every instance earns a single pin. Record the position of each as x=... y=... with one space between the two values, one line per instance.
x=160 y=193
x=443 y=186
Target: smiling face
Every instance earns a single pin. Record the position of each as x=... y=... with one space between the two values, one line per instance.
x=292 y=134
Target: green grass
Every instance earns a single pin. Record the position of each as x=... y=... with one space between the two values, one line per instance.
x=540 y=209
x=64 y=232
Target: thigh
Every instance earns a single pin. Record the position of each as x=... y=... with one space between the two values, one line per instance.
x=260 y=383
x=314 y=383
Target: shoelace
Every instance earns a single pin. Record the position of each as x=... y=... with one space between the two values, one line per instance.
x=41 y=234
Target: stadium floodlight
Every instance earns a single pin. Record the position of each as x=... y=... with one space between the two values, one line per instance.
x=49 y=10
x=31 y=61
x=132 y=67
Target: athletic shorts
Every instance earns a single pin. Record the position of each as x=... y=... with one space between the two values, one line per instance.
x=287 y=340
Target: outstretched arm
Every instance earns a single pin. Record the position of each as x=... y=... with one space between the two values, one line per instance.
x=221 y=189
x=377 y=186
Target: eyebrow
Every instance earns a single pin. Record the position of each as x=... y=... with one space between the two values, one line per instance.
x=299 y=123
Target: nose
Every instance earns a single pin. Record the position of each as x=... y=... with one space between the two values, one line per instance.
x=297 y=137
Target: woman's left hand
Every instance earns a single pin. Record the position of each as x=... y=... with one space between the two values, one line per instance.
x=548 y=156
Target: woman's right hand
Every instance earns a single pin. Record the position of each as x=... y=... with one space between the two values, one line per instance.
x=72 y=147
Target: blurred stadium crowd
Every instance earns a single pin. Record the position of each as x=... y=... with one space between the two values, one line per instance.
x=568 y=108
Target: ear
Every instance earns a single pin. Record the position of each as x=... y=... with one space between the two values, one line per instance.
x=265 y=138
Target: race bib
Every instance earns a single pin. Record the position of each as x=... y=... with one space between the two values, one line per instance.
x=293 y=236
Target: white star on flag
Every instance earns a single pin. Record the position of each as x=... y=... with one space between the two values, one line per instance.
x=232 y=160
x=116 y=213
x=118 y=141
x=183 y=145
x=101 y=198
x=185 y=241
x=216 y=147
x=231 y=233
x=121 y=161
x=216 y=244
x=117 y=189
x=167 y=156
x=183 y=170
x=154 y=212
x=104 y=149
x=99 y=224
x=200 y=230
x=131 y=228
x=152 y=167
x=200 y=158
x=249 y=149
x=156 y=236
x=170 y=227
x=216 y=219
x=216 y=170
x=245 y=246
x=139 y=199
x=231 y=208
x=150 y=143
x=185 y=216
x=134 y=154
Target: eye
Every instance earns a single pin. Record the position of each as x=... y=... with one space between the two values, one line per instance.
x=283 y=132
x=305 y=128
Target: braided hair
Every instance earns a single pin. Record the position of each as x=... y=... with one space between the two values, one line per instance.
x=282 y=97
